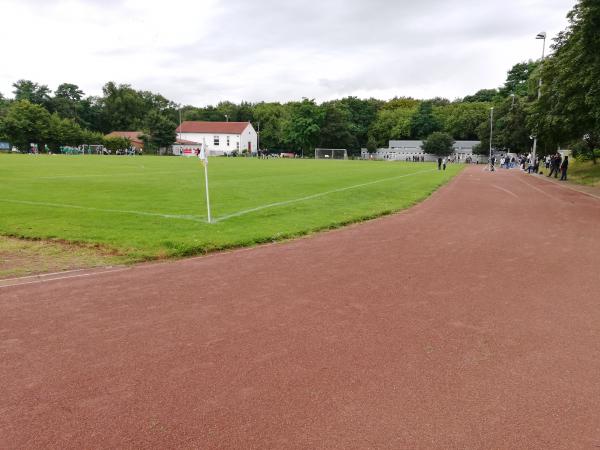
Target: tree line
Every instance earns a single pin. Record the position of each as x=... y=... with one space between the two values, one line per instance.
x=567 y=113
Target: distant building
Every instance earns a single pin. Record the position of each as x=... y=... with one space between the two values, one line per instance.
x=135 y=137
x=222 y=138
x=407 y=150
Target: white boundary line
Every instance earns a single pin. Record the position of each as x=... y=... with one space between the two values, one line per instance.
x=41 y=275
x=310 y=197
x=46 y=280
x=118 y=211
x=115 y=174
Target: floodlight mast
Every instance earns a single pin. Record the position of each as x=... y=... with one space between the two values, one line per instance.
x=542 y=36
x=491 y=136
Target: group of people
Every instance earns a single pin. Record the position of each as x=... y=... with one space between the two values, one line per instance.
x=554 y=163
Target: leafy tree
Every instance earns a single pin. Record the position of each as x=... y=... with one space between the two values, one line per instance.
x=116 y=143
x=4 y=104
x=569 y=108
x=124 y=108
x=32 y=92
x=462 y=120
x=517 y=79
x=302 y=127
x=482 y=96
x=587 y=149
x=271 y=117
x=362 y=115
x=67 y=100
x=424 y=122
x=393 y=121
x=337 y=130
x=161 y=129
x=62 y=131
x=511 y=128
x=26 y=123
x=438 y=143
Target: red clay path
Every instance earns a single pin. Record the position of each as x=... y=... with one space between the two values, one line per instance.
x=470 y=321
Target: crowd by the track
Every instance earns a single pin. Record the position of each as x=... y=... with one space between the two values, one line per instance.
x=553 y=164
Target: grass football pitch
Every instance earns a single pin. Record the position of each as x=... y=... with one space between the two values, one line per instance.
x=149 y=207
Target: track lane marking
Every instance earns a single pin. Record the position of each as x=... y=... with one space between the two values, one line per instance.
x=505 y=190
x=565 y=186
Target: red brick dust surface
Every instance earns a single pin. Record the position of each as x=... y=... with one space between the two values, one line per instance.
x=469 y=321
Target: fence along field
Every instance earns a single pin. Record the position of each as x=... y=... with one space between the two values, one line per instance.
x=148 y=207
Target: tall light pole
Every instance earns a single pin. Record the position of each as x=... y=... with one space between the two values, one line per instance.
x=542 y=36
x=491 y=136
x=180 y=130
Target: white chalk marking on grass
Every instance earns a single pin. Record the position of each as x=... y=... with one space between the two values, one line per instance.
x=310 y=197
x=128 y=174
x=505 y=190
x=117 y=211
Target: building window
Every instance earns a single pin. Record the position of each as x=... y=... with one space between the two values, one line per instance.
x=237 y=145
x=227 y=141
x=216 y=141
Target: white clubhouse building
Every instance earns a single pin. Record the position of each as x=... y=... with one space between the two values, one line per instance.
x=222 y=138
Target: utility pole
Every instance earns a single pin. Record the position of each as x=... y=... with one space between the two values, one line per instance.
x=542 y=36
x=491 y=136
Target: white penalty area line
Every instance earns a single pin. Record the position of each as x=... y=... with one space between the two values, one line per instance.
x=313 y=196
x=116 y=211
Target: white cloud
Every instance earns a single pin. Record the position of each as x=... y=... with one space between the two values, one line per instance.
x=200 y=52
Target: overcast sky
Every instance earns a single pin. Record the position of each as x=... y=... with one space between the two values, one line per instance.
x=204 y=51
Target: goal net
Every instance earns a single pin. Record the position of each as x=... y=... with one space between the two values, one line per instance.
x=331 y=153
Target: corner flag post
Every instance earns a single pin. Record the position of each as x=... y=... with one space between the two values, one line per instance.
x=204 y=158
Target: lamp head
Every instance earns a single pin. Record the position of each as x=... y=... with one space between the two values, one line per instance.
x=541 y=35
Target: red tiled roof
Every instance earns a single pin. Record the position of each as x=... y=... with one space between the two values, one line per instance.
x=212 y=127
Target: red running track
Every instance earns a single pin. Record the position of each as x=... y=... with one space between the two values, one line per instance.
x=469 y=321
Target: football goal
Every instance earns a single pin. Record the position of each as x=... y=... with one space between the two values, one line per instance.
x=331 y=153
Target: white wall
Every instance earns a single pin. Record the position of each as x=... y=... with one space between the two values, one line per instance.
x=249 y=139
x=237 y=142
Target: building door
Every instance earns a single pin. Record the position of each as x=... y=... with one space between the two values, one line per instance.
x=249 y=147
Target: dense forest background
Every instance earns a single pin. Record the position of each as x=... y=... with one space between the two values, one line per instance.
x=566 y=114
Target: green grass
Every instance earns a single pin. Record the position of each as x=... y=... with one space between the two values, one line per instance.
x=584 y=172
x=149 y=207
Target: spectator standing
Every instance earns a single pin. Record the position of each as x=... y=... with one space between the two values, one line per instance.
x=563 y=169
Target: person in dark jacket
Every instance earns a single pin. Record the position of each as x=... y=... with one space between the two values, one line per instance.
x=563 y=169
x=439 y=163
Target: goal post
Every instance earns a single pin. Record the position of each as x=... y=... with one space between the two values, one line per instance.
x=331 y=153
